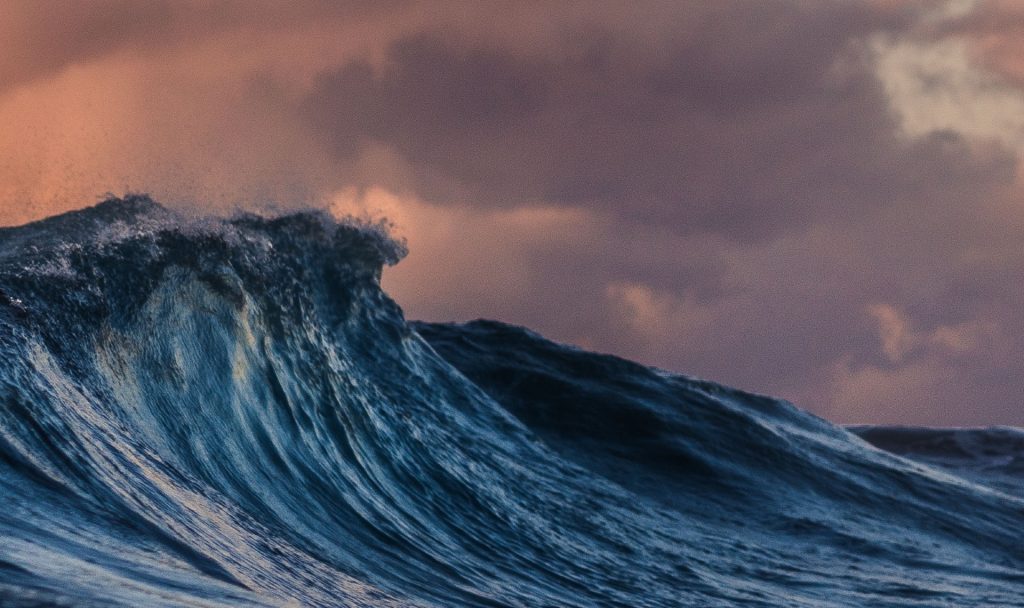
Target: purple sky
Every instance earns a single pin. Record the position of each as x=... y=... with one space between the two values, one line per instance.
x=816 y=200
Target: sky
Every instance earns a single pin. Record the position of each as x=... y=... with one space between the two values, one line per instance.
x=816 y=200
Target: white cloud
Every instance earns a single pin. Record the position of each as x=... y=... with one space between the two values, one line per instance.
x=935 y=85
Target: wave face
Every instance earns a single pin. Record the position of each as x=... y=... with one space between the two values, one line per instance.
x=227 y=413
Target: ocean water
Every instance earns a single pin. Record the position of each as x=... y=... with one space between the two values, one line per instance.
x=233 y=413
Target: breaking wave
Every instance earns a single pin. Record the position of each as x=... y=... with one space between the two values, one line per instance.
x=232 y=412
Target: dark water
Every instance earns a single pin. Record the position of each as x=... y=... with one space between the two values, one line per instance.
x=233 y=413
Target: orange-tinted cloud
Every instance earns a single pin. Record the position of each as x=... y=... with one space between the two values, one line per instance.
x=818 y=200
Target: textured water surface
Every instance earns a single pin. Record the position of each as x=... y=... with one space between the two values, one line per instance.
x=232 y=413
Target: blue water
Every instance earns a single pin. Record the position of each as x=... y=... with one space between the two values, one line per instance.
x=232 y=413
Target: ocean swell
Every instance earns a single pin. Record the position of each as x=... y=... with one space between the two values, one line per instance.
x=232 y=412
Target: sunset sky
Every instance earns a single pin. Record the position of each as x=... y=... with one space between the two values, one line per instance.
x=815 y=200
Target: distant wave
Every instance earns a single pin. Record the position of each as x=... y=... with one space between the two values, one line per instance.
x=232 y=413
x=989 y=456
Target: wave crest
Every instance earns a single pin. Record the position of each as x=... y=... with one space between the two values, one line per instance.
x=226 y=412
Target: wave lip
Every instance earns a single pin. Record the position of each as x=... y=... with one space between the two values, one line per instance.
x=232 y=412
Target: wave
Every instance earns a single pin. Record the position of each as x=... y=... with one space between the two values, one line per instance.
x=232 y=412
x=989 y=456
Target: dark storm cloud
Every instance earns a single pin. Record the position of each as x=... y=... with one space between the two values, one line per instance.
x=769 y=119
x=770 y=129
x=812 y=199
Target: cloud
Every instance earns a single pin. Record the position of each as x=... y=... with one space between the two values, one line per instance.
x=190 y=101
x=933 y=86
x=767 y=119
x=899 y=340
x=815 y=200
x=40 y=39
